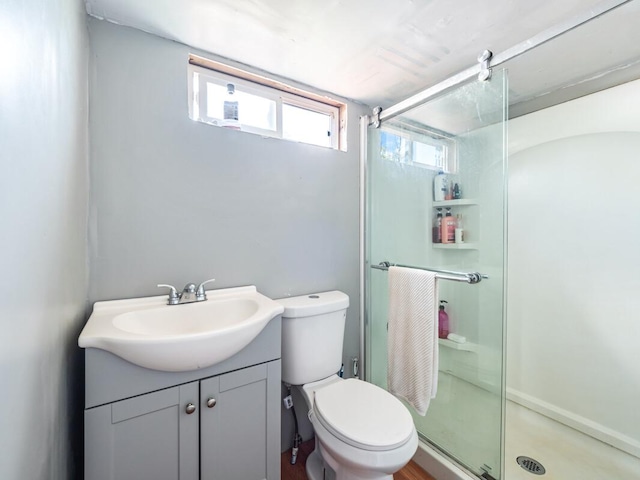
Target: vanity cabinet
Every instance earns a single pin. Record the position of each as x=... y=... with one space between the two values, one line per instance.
x=219 y=423
x=150 y=436
x=234 y=423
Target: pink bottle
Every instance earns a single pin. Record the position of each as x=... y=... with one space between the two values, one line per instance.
x=443 y=321
x=448 y=228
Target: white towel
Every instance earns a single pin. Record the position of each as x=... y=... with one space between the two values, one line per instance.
x=412 y=347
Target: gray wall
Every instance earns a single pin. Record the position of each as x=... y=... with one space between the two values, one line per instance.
x=175 y=201
x=43 y=207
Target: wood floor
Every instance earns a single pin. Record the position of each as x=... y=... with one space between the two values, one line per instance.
x=297 y=472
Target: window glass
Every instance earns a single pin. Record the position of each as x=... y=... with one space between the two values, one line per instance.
x=304 y=125
x=394 y=147
x=429 y=154
x=252 y=110
x=418 y=149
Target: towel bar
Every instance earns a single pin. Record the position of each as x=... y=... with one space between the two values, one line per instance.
x=472 y=277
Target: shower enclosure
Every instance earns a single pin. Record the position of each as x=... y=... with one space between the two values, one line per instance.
x=461 y=132
x=568 y=404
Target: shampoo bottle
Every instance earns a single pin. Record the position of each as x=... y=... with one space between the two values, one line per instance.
x=448 y=228
x=440 y=186
x=443 y=321
x=437 y=227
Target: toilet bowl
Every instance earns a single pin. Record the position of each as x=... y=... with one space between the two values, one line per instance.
x=362 y=431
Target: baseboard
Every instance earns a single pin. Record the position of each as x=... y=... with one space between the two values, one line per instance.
x=438 y=465
x=577 y=422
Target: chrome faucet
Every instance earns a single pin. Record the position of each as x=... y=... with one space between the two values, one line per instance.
x=190 y=293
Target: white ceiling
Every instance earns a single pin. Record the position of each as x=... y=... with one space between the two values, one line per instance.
x=379 y=52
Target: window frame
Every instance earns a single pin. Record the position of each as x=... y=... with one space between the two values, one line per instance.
x=199 y=76
x=427 y=136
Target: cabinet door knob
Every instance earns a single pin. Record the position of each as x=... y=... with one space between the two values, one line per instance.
x=190 y=408
x=211 y=402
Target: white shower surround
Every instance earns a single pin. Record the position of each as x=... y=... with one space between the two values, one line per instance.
x=572 y=313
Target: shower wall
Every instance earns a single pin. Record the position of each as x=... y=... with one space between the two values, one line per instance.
x=573 y=288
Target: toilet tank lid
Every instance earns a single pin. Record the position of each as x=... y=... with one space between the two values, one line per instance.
x=314 y=304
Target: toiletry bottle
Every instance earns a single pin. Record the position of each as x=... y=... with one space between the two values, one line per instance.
x=448 y=228
x=459 y=231
x=449 y=193
x=451 y=228
x=440 y=187
x=457 y=192
x=437 y=227
x=443 y=321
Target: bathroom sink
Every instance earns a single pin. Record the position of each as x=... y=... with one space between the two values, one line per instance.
x=177 y=338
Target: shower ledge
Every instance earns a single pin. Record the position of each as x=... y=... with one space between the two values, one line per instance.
x=466 y=346
x=456 y=246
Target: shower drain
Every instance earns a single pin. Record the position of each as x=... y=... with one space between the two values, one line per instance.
x=531 y=465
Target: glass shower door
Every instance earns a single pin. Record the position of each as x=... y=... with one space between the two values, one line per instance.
x=462 y=133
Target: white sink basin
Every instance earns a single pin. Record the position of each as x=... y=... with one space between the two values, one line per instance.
x=177 y=338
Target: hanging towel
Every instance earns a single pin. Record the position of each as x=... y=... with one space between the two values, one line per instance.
x=412 y=346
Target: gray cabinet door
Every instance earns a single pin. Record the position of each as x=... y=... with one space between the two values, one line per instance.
x=244 y=419
x=149 y=437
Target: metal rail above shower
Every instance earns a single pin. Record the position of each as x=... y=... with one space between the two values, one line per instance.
x=471 y=277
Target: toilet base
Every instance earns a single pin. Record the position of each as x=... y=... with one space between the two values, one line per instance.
x=315 y=467
x=318 y=470
x=342 y=472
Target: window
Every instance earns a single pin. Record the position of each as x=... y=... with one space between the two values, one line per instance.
x=308 y=126
x=418 y=146
x=251 y=103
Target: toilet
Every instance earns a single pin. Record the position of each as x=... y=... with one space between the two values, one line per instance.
x=362 y=431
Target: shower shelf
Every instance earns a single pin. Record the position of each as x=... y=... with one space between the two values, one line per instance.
x=456 y=203
x=467 y=346
x=462 y=202
x=456 y=246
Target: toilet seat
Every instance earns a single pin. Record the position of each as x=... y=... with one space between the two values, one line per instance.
x=363 y=415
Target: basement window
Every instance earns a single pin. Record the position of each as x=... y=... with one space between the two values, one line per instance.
x=228 y=97
x=419 y=147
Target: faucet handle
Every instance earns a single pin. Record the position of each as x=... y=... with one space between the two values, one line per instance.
x=200 y=295
x=174 y=298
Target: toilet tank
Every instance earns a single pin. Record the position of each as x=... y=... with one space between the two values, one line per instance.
x=312 y=336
